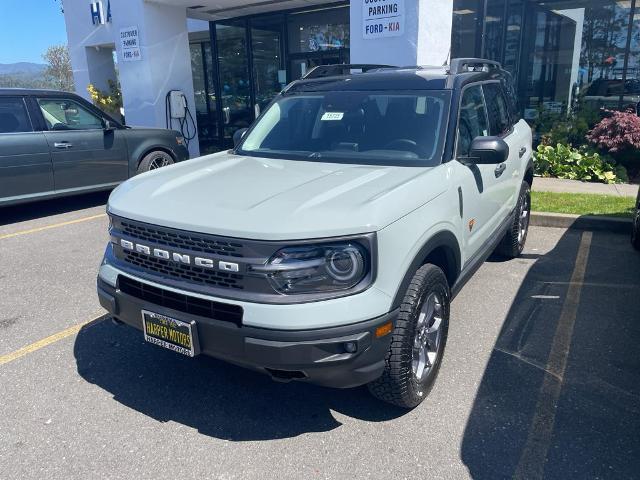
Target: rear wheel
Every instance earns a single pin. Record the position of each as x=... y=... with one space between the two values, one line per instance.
x=635 y=233
x=514 y=240
x=154 y=160
x=418 y=340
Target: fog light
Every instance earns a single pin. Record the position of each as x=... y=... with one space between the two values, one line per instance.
x=351 y=347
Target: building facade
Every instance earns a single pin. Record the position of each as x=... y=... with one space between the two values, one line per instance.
x=229 y=58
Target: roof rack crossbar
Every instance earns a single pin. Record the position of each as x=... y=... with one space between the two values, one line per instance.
x=461 y=65
x=341 y=69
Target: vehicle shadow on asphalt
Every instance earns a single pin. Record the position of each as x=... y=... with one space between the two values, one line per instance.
x=46 y=208
x=214 y=397
x=531 y=419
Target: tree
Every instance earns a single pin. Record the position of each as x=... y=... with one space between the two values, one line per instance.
x=59 y=68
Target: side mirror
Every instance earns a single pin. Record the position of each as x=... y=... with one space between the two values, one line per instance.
x=107 y=126
x=487 y=151
x=237 y=136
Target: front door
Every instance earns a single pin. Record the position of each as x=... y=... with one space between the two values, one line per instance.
x=83 y=153
x=479 y=187
x=25 y=162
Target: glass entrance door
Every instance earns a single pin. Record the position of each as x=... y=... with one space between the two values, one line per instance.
x=235 y=84
x=205 y=96
x=269 y=75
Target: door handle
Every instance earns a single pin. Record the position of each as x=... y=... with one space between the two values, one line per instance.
x=522 y=151
x=500 y=169
x=62 y=145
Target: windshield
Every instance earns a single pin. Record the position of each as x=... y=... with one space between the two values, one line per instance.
x=353 y=126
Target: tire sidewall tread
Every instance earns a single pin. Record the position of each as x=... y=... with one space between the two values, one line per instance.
x=398 y=384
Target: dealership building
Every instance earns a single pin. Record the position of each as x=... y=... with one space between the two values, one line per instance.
x=228 y=58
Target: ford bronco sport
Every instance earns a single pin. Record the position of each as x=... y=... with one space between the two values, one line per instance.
x=328 y=244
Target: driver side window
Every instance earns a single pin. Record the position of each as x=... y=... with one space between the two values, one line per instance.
x=64 y=114
x=472 y=122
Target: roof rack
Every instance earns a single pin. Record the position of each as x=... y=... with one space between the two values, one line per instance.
x=341 y=69
x=463 y=65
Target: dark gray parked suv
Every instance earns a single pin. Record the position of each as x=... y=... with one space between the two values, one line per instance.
x=56 y=143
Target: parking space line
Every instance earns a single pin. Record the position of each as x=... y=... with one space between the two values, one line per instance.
x=48 y=227
x=534 y=454
x=9 y=357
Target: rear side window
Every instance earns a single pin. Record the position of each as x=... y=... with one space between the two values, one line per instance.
x=497 y=110
x=13 y=116
x=473 y=120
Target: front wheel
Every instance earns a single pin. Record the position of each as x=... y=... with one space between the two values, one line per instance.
x=513 y=242
x=154 y=160
x=418 y=340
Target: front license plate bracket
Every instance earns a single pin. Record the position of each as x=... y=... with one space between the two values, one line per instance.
x=170 y=333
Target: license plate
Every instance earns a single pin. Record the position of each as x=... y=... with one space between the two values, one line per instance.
x=170 y=333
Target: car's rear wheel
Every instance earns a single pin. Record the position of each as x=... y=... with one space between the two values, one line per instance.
x=635 y=233
x=514 y=240
x=154 y=160
x=418 y=340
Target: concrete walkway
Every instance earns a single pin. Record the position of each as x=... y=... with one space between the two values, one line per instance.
x=574 y=186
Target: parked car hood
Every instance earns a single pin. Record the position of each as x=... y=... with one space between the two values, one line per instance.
x=273 y=199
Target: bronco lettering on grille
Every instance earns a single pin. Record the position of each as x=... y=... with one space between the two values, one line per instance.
x=178 y=257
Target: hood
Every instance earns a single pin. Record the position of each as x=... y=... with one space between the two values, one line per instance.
x=267 y=199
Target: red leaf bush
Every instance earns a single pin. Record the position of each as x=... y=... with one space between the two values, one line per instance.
x=618 y=132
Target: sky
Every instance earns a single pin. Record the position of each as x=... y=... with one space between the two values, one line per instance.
x=28 y=28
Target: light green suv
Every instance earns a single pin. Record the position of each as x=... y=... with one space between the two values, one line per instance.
x=328 y=244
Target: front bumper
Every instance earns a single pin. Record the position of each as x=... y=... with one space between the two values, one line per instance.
x=317 y=356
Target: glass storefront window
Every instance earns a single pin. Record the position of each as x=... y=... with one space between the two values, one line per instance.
x=320 y=30
x=466 y=33
x=569 y=58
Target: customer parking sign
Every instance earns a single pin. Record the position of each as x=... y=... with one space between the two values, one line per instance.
x=382 y=18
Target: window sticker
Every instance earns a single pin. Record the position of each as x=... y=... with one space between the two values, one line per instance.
x=332 y=116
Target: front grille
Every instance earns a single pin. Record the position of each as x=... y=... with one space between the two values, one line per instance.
x=180 y=302
x=189 y=273
x=181 y=240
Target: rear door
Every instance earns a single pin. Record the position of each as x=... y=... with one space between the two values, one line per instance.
x=83 y=153
x=25 y=162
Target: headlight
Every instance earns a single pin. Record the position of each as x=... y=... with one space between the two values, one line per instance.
x=317 y=268
x=180 y=140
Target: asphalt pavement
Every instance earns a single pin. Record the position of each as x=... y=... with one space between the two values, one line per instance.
x=541 y=377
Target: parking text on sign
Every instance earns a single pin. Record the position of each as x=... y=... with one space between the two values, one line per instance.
x=129 y=44
x=382 y=18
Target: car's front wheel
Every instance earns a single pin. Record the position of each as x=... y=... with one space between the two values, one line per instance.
x=154 y=160
x=418 y=340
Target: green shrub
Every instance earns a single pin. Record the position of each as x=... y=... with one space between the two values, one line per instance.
x=564 y=161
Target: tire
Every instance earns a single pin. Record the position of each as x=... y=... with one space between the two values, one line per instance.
x=635 y=232
x=426 y=304
x=514 y=240
x=153 y=160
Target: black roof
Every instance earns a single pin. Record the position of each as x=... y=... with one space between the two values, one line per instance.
x=31 y=91
x=456 y=75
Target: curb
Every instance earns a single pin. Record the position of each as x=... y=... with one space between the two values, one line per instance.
x=581 y=222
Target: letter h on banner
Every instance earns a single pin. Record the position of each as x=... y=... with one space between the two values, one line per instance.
x=97 y=15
